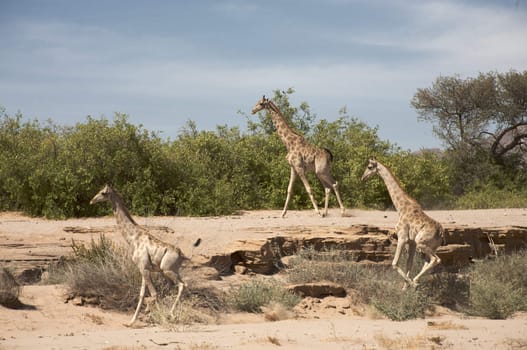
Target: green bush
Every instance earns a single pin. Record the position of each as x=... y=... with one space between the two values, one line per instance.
x=398 y=304
x=53 y=171
x=498 y=287
x=489 y=197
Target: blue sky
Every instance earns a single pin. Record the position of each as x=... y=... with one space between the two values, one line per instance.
x=166 y=62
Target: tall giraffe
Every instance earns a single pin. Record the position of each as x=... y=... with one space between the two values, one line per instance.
x=414 y=228
x=302 y=158
x=148 y=253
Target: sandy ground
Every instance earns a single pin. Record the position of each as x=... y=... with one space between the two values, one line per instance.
x=54 y=324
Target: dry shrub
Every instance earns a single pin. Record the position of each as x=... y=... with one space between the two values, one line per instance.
x=103 y=272
x=9 y=289
x=252 y=295
x=374 y=284
x=335 y=265
x=199 y=304
x=498 y=287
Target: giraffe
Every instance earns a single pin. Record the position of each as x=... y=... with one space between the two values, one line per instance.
x=148 y=253
x=414 y=228
x=302 y=158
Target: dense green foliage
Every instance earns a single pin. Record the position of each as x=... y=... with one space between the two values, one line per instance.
x=498 y=288
x=53 y=171
x=483 y=123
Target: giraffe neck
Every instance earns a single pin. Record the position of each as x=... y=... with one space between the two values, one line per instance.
x=399 y=198
x=285 y=132
x=125 y=222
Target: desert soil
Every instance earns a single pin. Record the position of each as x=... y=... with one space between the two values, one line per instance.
x=53 y=324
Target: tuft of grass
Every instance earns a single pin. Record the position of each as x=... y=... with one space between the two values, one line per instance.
x=415 y=342
x=398 y=304
x=335 y=265
x=445 y=325
x=197 y=305
x=252 y=295
x=274 y=340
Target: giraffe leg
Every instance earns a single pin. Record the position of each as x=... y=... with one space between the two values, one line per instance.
x=140 y=302
x=341 y=205
x=289 y=191
x=174 y=277
x=303 y=177
x=398 y=251
x=329 y=183
x=427 y=267
x=326 y=201
x=410 y=259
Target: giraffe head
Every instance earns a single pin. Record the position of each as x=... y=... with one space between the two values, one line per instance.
x=261 y=104
x=103 y=195
x=371 y=169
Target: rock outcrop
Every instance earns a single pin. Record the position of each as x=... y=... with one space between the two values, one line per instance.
x=366 y=244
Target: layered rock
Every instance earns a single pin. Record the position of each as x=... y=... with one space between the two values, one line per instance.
x=367 y=244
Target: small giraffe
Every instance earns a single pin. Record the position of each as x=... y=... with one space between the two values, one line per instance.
x=148 y=253
x=303 y=158
x=414 y=228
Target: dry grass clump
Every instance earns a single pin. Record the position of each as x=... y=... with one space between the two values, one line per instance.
x=445 y=325
x=376 y=285
x=104 y=273
x=493 y=288
x=9 y=289
x=407 y=343
x=199 y=304
x=252 y=295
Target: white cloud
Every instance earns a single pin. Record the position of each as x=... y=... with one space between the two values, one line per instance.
x=96 y=67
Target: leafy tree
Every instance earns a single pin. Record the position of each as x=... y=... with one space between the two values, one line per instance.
x=489 y=112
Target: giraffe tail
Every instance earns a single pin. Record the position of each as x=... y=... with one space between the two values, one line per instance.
x=329 y=153
x=196 y=244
